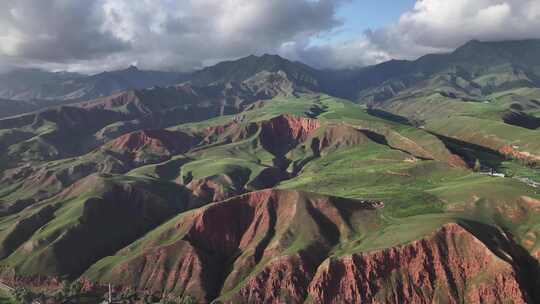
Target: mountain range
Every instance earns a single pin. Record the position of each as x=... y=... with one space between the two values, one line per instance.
x=263 y=180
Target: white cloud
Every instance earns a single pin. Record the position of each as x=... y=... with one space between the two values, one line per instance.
x=444 y=25
x=94 y=35
x=434 y=26
x=182 y=34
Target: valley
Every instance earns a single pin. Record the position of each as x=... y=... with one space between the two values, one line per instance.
x=263 y=180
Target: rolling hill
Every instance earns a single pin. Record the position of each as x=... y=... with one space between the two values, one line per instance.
x=263 y=180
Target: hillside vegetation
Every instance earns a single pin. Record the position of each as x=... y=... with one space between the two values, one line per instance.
x=251 y=182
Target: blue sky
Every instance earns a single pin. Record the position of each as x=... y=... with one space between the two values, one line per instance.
x=360 y=15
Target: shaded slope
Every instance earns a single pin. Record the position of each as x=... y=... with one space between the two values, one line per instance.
x=89 y=220
x=32 y=84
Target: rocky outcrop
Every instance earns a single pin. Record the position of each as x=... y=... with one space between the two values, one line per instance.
x=282 y=133
x=513 y=152
x=284 y=280
x=450 y=266
x=114 y=101
x=455 y=161
x=157 y=140
x=212 y=189
x=151 y=145
x=337 y=136
x=273 y=246
x=261 y=247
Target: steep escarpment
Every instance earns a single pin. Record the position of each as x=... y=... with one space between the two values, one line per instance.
x=282 y=133
x=256 y=240
x=276 y=246
x=450 y=266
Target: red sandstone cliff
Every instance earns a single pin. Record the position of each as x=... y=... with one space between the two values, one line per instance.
x=281 y=133
x=450 y=266
x=275 y=246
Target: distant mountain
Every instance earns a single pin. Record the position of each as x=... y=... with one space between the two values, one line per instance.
x=470 y=72
x=247 y=67
x=262 y=76
x=473 y=70
x=14 y=107
x=29 y=84
x=33 y=84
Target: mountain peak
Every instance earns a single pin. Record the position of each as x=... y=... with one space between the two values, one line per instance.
x=132 y=68
x=267 y=55
x=247 y=67
x=264 y=57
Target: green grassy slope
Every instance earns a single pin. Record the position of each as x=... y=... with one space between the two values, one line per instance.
x=351 y=155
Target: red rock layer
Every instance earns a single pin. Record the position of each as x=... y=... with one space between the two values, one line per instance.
x=341 y=135
x=221 y=244
x=509 y=151
x=111 y=102
x=229 y=133
x=283 y=132
x=451 y=266
x=10 y=278
x=157 y=140
x=272 y=246
x=209 y=190
x=456 y=161
x=284 y=280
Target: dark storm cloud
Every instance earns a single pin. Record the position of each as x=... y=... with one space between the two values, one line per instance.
x=103 y=34
x=57 y=30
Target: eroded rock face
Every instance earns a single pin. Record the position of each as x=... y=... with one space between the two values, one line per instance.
x=211 y=189
x=456 y=161
x=283 y=132
x=284 y=280
x=450 y=266
x=510 y=151
x=113 y=101
x=276 y=246
x=156 y=145
x=337 y=136
x=223 y=243
x=196 y=264
x=159 y=140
